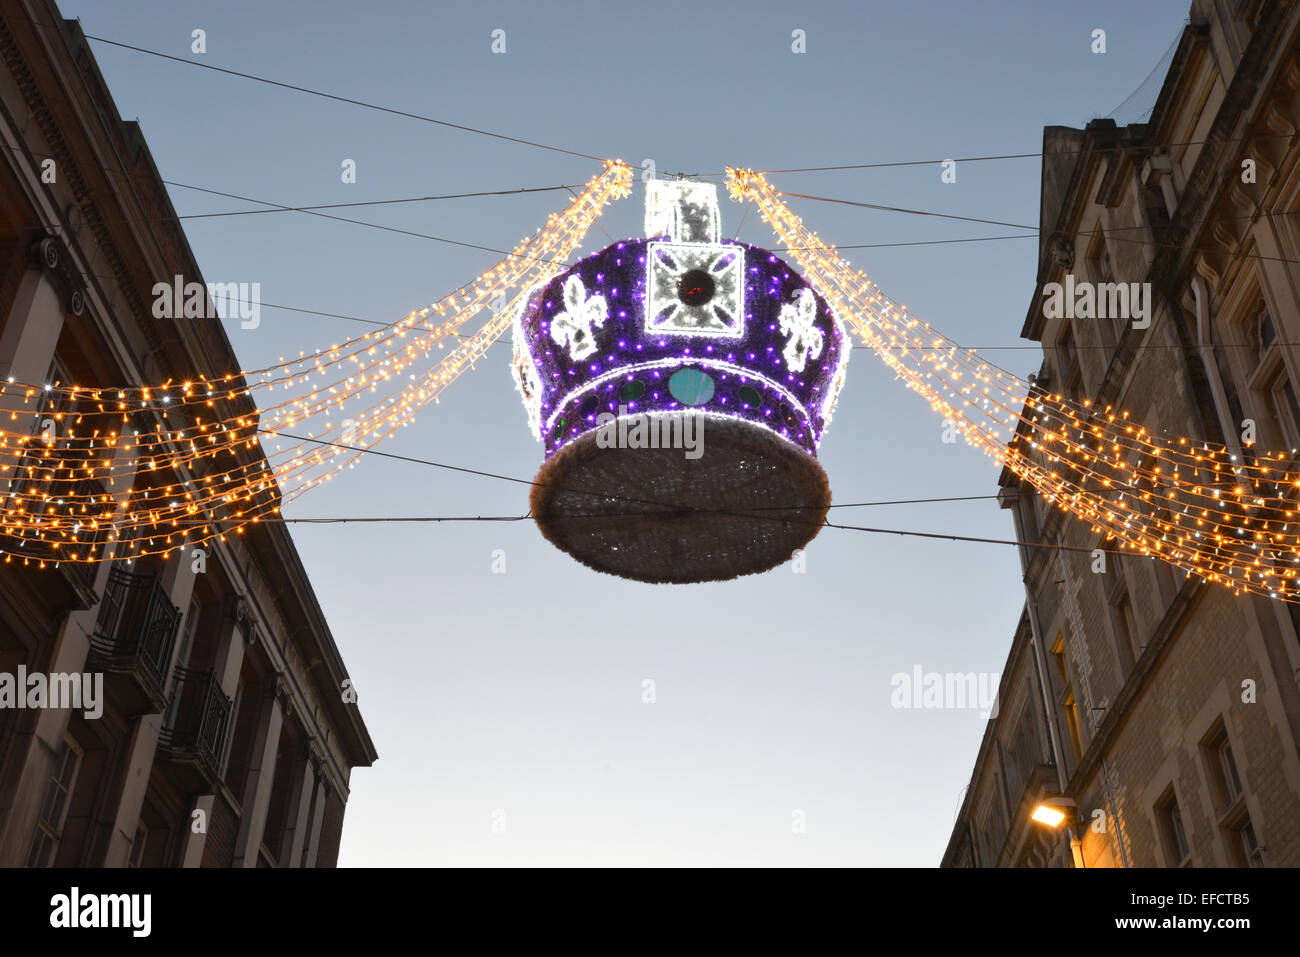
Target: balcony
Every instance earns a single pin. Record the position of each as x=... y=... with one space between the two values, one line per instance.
x=194 y=729
x=133 y=640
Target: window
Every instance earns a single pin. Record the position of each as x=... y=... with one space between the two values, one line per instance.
x=1239 y=837
x=1126 y=630
x=1068 y=706
x=1123 y=619
x=1271 y=381
x=236 y=703
x=1004 y=804
x=1169 y=578
x=1113 y=577
x=1172 y=832
x=1180 y=834
x=54 y=808
x=137 y=846
x=1103 y=272
x=1026 y=747
x=1283 y=406
x=52 y=403
x=1058 y=657
x=1221 y=767
x=1226 y=785
x=1251 y=852
x=1264 y=333
x=986 y=838
x=1071 y=708
x=1100 y=268
x=1067 y=360
x=187 y=636
x=1228 y=770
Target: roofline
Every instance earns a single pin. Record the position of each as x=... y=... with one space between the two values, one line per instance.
x=282 y=569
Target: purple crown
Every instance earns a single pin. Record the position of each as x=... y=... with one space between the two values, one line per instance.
x=684 y=321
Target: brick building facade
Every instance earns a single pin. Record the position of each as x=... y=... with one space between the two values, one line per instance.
x=1159 y=713
x=225 y=739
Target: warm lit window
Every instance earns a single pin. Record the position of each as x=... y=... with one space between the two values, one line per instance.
x=1071 y=708
x=1058 y=658
x=1068 y=707
x=54 y=808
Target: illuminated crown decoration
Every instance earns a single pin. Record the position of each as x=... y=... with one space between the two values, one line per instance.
x=681 y=322
x=96 y=472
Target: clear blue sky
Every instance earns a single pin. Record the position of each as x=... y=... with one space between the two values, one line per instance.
x=522 y=692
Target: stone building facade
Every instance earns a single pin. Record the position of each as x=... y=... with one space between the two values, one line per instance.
x=1159 y=713
x=225 y=739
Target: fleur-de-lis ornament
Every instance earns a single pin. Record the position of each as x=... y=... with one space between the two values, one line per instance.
x=805 y=339
x=576 y=324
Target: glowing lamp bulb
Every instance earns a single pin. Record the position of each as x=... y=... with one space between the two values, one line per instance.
x=1046 y=814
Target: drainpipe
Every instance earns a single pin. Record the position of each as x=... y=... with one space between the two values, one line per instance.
x=1036 y=632
x=1073 y=610
x=1205 y=342
x=1040 y=659
x=1040 y=662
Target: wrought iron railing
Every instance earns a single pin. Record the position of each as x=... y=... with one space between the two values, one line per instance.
x=197 y=718
x=137 y=624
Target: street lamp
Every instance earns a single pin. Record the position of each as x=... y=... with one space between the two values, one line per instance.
x=1046 y=814
x=1053 y=812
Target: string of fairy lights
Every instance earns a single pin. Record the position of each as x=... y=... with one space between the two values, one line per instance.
x=1191 y=503
x=154 y=468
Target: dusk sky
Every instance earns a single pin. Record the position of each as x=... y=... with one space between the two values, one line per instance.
x=521 y=692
